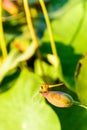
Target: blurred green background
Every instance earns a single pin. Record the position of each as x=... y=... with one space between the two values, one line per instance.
x=23 y=71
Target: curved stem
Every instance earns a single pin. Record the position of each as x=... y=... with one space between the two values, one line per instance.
x=80 y=104
x=29 y=21
x=2 y=40
x=31 y=28
x=49 y=28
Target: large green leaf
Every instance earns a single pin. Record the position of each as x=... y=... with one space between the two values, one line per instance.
x=70 y=38
x=81 y=80
x=21 y=107
x=72 y=118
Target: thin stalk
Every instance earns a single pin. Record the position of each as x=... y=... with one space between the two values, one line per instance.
x=31 y=28
x=49 y=28
x=29 y=22
x=2 y=40
x=56 y=85
x=80 y=104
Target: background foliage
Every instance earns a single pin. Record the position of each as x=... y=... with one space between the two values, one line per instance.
x=23 y=70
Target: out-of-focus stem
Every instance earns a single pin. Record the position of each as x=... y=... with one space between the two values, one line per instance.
x=2 y=40
x=31 y=28
x=49 y=28
x=29 y=22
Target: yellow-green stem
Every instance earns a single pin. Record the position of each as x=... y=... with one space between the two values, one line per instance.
x=31 y=28
x=29 y=22
x=56 y=85
x=49 y=27
x=2 y=40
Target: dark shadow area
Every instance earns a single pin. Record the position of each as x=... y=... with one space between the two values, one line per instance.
x=67 y=56
x=72 y=118
x=12 y=29
x=9 y=81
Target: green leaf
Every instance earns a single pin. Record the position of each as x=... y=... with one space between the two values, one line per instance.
x=72 y=118
x=81 y=80
x=23 y=108
x=70 y=38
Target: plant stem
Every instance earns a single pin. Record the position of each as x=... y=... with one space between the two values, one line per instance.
x=49 y=28
x=56 y=85
x=29 y=21
x=80 y=104
x=2 y=40
x=31 y=28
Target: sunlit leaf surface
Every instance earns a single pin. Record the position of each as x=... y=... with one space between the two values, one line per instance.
x=22 y=107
